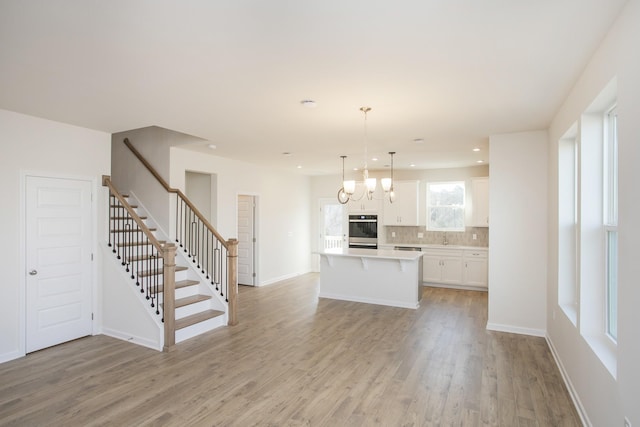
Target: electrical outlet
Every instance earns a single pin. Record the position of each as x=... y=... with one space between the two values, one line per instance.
x=627 y=423
x=475 y=236
x=420 y=235
x=393 y=234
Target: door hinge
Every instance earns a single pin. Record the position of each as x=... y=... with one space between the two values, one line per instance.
x=253 y=275
x=91 y=316
x=91 y=257
x=254 y=240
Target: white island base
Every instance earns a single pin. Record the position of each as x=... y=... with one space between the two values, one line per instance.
x=373 y=276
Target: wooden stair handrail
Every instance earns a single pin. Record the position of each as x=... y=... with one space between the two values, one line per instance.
x=175 y=190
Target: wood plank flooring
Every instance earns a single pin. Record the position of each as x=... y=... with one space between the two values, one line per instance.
x=296 y=360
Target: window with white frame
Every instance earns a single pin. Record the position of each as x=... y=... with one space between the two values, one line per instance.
x=611 y=222
x=588 y=226
x=445 y=206
x=568 y=190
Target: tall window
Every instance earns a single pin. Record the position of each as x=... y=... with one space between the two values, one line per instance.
x=568 y=268
x=611 y=221
x=445 y=206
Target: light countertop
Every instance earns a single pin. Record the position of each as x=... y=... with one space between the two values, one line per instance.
x=433 y=246
x=374 y=253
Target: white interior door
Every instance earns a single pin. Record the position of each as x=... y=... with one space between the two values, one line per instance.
x=246 y=240
x=58 y=261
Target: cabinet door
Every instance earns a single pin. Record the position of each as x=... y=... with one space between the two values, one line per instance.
x=475 y=272
x=363 y=204
x=390 y=214
x=404 y=210
x=452 y=270
x=431 y=269
x=480 y=194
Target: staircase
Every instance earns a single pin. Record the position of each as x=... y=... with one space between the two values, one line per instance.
x=195 y=300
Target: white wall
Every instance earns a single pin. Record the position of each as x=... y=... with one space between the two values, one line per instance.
x=606 y=400
x=518 y=233
x=283 y=209
x=37 y=145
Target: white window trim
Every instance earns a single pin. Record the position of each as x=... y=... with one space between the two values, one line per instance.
x=463 y=207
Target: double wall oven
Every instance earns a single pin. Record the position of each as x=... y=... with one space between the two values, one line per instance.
x=363 y=231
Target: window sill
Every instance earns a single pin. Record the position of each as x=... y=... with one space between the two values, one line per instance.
x=606 y=350
x=571 y=311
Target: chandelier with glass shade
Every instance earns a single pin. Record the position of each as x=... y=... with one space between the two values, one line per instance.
x=348 y=189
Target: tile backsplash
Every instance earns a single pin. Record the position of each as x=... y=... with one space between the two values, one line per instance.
x=409 y=235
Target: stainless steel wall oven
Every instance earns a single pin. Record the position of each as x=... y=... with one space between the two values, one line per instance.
x=363 y=231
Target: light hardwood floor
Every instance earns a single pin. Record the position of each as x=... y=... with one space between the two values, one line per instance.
x=296 y=360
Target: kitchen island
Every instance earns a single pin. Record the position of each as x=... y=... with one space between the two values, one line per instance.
x=374 y=276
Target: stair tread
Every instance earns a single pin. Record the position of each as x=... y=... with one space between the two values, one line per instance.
x=191 y=300
x=185 y=283
x=118 y=218
x=197 y=318
x=125 y=230
x=121 y=206
x=147 y=273
x=140 y=243
x=144 y=257
x=180 y=284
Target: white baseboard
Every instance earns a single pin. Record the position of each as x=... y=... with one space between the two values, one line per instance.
x=12 y=355
x=567 y=382
x=279 y=279
x=133 y=339
x=516 y=330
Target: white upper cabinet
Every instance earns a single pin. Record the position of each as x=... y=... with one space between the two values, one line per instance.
x=364 y=204
x=480 y=202
x=404 y=210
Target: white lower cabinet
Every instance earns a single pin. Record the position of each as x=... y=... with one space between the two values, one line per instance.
x=475 y=268
x=442 y=266
x=457 y=267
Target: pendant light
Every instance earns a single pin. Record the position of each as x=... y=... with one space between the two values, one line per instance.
x=348 y=188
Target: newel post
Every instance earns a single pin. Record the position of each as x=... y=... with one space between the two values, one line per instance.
x=169 y=307
x=232 y=291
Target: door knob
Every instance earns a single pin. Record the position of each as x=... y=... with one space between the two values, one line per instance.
x=33 y=272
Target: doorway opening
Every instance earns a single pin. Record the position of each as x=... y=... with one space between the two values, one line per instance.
x=201 y=189
x=333 y=225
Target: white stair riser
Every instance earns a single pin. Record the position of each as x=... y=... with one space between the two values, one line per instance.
x=190 y=309
x=187 y=291
x=199 y=328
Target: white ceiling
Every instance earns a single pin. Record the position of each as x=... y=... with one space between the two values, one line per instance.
x=234 y=72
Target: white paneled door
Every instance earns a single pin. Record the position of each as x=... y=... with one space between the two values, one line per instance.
x=246 y=240
x=58 y=261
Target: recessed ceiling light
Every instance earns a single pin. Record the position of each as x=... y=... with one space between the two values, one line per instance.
x=374 y=159
x=286 y=154
x=309 y=103
x=212 y=146
x=479 y=161
x=355 y=169
x=419 y=140
x=412 y=165
x=299 y=166
x=476 y=149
